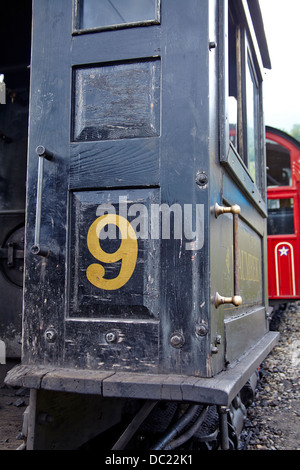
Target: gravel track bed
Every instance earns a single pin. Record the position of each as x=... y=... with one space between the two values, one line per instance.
x=273 y=420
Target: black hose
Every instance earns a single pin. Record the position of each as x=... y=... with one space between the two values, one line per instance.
x=177 y=427
x=189 y=433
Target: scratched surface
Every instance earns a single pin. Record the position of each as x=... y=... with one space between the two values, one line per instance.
x=117 y=101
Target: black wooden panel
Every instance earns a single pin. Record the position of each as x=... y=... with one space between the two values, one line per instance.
x=136 y=347
x=117 y=45
x=125 y=162
x=132 y=291
x=117 y=101
x=49 y=125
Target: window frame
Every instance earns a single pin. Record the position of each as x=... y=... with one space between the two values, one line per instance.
x=236 y=159
x=288 y=195
x=77 y=9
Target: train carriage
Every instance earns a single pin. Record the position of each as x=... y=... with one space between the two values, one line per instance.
x=283 y=193
x=145 y=286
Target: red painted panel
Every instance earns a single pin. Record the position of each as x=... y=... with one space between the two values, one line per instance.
x=284 y=250
x=285 y=269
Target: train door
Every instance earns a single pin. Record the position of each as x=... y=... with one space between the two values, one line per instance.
x=283 y=221
x=238 y=237
x=123 y=133
x=125 y=130
x=112 y=132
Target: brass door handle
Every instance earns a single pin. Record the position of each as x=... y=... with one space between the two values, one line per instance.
x=236 y=299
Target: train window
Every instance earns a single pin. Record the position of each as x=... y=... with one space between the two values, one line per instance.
x=107 y=13
x=233 y=92
x=244 y=95
x=278 y=165
x=281 y=216
x=252 y=113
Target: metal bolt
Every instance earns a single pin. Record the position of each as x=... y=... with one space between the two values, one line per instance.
x=177 y=340
x=51 y=335
x=201 y=330
x=214 y=350
x=111 y=337
x=218 y=339
x=202 y=179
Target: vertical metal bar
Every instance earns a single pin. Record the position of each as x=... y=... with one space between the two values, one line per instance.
x=236 y=262
x=223 y=427
x=236 y=300
x=36 y=249
x=38 y=214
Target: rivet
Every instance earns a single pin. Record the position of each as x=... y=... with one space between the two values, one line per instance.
x=51 y=335
x=111 y=337
x=201 y=330
x=201 y=179
x=177 y=340
x=218 y=339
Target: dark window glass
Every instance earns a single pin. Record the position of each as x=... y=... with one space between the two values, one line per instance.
x=233 y=84
x=252 y=119
x=243 y=95
x=102 y=13
x=278 y=165
x=280 y=216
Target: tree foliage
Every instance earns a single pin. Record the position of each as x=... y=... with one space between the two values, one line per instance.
x=295 y=132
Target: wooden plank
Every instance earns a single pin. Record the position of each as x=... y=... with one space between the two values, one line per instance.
x=75 y=381
x=134 y=43
x=218 y=390
x=124 y=162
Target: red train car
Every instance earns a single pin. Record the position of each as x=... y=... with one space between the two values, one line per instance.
x=283 y=194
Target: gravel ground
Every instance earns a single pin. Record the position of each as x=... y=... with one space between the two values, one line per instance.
x=273 y=421
x=13 y=403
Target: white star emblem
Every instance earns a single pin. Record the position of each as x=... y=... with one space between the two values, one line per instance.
x=283 y=251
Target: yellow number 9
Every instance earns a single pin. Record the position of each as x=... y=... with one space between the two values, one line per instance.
x=127 y=252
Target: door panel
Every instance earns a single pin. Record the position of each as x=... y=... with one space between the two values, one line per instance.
x=126 y=118
x=116 y=101
x=132 y=162
x=132 y=296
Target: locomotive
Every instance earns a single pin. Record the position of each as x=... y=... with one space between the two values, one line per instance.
x=145 y=296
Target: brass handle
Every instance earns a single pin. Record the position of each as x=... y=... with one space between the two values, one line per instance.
x=236 y=299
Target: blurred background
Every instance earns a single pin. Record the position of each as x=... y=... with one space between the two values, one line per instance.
x=282 y=83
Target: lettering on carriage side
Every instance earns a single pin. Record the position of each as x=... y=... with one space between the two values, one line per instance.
x=249 y=267
x=127 y=252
